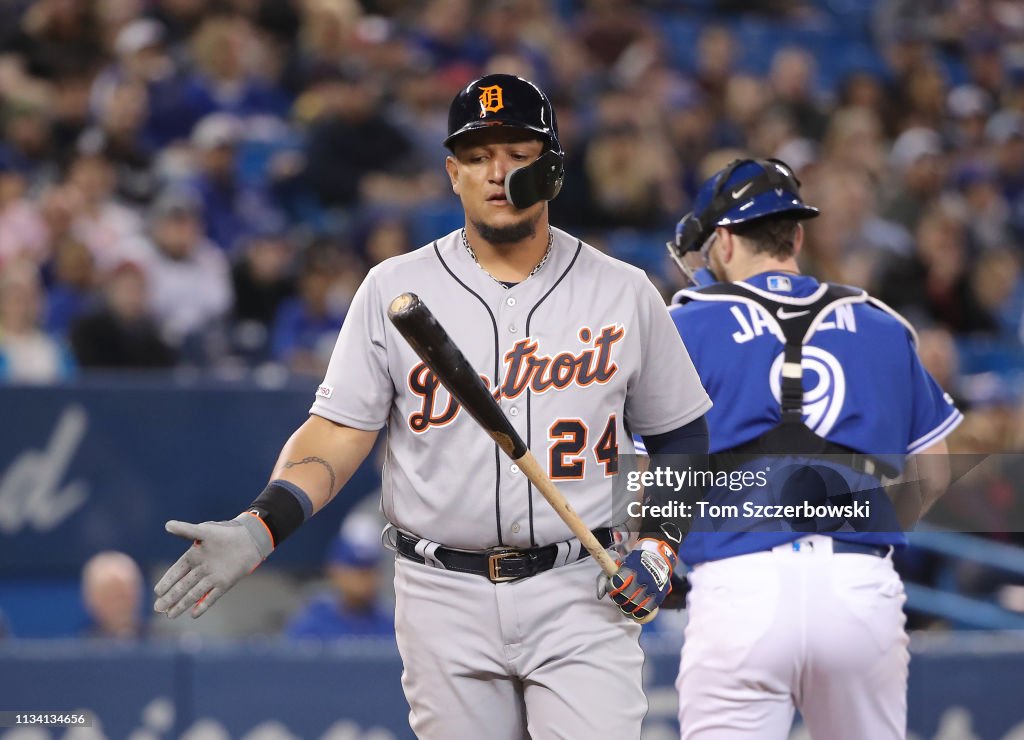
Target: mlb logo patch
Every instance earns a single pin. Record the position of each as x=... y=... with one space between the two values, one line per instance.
x=779 y=284
x=325 y=391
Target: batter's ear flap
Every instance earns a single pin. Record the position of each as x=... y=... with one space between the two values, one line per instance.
x=451 y=166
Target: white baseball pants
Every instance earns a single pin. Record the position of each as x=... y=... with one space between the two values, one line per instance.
x=540 y=657
x=773 y=631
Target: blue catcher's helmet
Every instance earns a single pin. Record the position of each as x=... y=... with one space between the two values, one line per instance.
x=744 y=191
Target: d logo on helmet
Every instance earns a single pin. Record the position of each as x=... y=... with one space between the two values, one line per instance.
x=490 y=100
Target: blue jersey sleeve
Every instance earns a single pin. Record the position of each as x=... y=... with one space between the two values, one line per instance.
x=933 y=414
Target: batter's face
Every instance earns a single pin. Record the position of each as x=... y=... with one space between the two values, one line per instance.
x=477 y=169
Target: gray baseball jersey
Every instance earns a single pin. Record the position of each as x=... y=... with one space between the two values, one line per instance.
x=580 y=355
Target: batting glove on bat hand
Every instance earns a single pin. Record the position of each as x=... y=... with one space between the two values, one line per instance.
x=643 y=579
x=221 y=554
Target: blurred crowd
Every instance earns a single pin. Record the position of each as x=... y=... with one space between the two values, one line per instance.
x=205 y=182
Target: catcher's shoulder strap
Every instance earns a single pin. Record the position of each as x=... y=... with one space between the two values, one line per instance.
x=794 y=321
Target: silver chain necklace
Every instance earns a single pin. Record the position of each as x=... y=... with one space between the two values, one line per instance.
x=547 y=253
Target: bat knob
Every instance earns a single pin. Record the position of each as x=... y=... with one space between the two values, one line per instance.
x=403 y=304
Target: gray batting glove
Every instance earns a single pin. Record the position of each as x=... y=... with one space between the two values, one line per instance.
x=221 y=554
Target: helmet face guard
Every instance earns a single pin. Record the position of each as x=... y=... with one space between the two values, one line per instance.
x=507 y=100
x=537 y=181
x=764 y=188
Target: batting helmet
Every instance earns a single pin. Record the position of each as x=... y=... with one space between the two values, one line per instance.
x=507 y=100
x=743 y=191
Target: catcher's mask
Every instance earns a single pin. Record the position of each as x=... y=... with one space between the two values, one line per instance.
x=507 y=100
x=743 y=191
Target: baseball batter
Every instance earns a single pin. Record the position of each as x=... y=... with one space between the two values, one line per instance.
x=496 y=617
x=797 y=612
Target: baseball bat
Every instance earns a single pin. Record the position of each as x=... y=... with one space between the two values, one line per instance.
x=439 y=352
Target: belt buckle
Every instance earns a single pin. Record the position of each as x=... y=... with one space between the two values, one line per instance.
x=494 y=566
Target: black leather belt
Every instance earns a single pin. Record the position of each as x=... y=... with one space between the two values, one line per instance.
x=842 y=546
x=500 y=564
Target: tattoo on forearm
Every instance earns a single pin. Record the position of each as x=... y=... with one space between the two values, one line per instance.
x=321 y=461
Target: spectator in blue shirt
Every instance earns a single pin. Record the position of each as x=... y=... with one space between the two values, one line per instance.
x=306 y=326
x=350 y=607
x=232 y=209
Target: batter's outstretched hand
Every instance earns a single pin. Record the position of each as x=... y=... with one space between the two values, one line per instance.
x=643 y=579
x=222 y=553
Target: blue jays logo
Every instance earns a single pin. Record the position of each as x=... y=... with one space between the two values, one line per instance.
x=824 y=388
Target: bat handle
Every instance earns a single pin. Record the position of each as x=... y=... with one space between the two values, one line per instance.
x=531 y=468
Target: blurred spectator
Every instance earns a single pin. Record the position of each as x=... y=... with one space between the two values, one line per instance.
x=631 y=175
x=70 y=112
x=854 y=140
x=983 y=58
x=988 y=226
x=351 y=606
x=188 y=276
x=770 y=131
x=231 y=208
x=542 y=25
x=142 y=59
x=715 y=65
x=327 y=38
x=71 y=293
x=306 y=327
x=121 y=333
x=792 y=80
x=420 y=112
x=27 y=354
x=112 y=593
x=920 y=22
x=933 y=284
x=388 y=237
x=1005 y=132
x=850 y=243
x=27 y=141
x=632 y=182
x=118 y=137
x=263 y=279
x=746 y=100
x=501 y=27
x=443 y=33
x=57 y=38
x=865 y=90
x=23 y=232
x=221 y=49
x=923 y=96
x=969 y=107
x=610 y=31
x=179 y=17
x=919 y=165
x=352 y=145
x=937 y=350
x=996 y=281
x=99 y=221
